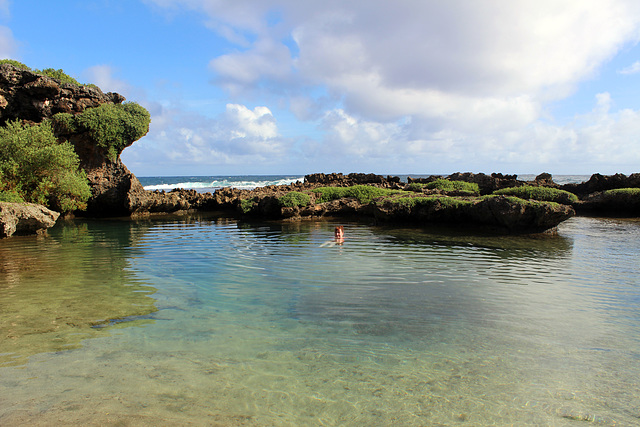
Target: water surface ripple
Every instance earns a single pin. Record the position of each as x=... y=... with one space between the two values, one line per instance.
x=210 y=321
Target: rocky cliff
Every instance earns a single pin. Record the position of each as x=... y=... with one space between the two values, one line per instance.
x=32 y=97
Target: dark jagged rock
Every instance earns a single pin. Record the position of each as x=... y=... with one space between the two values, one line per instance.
x=545 y=180
x=487 y=183
x=500 y=213
x=340 y=180
x=598 y=183
x=611 y=203
x=25 y=218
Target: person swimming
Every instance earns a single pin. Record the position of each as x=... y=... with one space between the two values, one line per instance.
x=338 y=238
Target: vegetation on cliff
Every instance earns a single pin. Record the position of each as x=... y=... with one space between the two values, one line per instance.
x=112 y=126
x=362 y=193
x=35 y=168
x=59 y=74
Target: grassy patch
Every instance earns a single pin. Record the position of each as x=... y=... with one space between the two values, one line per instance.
x=522 y=202
x=415 y=187
x=294 y=198
x=448 y=185
x=622 y=192
x=446 y=202
x=363 y=193
x=544 y=194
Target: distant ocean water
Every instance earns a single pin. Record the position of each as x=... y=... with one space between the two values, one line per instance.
x=204 y=184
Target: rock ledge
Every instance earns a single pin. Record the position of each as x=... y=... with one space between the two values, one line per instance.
x=25 y=218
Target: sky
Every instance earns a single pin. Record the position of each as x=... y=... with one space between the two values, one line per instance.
x=290 y=87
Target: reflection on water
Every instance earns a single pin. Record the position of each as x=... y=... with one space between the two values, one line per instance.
x=266 y=324
x=56 y=292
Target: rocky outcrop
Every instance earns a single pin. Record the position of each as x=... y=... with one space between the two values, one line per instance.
x=498 y=213
x=25 y=218
x=598 y=183
x=340 y=180
x=27 y=96
x=32 y=97
x=487 y=183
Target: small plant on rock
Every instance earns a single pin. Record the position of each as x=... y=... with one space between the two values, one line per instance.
x=447 y=185
x=294 y=199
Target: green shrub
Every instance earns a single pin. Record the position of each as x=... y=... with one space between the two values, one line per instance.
x=247 y=205
x=448 y=185
x=36 y=167
x=112 y=126
x=544 y=194
x=363 y=193
x=58 y=75
x=15 y=64
x=294 y=199
x=415 y=187
x=11 y=197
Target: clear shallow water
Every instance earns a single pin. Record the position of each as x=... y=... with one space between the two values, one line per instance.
x=209 y=321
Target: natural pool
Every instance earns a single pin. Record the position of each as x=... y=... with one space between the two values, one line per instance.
x=210 y=321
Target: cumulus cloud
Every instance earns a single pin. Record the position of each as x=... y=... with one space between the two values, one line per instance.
x=236 y=137
x=454 y=81
x=391 y=59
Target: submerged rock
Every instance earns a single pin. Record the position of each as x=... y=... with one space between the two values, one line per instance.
x=25 y=219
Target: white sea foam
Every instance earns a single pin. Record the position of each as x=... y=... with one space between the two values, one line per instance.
x=239 y=182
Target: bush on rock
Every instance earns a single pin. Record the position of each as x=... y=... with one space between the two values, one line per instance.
x=113 y=126
x=34 y=167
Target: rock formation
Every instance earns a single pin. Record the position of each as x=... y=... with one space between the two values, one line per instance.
x=32 y=97
x=25 y=218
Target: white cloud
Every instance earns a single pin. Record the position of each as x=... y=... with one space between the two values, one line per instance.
x=428 y=82
x=103 y=77
x=456 y=60
x=631 y=69
x=238 y=136
x=8 y=45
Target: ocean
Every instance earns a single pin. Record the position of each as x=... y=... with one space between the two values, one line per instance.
x=210 y=320
x=211 y=183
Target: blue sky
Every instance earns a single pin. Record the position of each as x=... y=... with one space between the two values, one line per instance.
x=408 y=87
